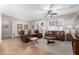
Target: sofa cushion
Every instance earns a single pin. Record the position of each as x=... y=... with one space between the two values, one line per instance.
x=57 y=33
x=48 y=33
x=61 y=33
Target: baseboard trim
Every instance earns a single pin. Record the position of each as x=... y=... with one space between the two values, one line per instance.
x=15 y=37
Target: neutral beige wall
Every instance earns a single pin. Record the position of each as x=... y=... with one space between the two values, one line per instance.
x=77 y=22
x=68 y=20
x=6 y=26
x=0 y=26
x=14 y=26
x=16 y=21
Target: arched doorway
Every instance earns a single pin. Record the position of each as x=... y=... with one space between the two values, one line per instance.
x=6 y=28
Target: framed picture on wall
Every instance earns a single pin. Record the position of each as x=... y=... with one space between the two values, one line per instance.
x=32 y=26
x=5 y=26
x=25 y=26
x=37 y=26
x=19 y=26
x=42 y=23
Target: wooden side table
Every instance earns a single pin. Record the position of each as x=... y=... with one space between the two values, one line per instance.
x=69 y=37
x=75 y=44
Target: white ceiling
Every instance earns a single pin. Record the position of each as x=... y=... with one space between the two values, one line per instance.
x=35 y=11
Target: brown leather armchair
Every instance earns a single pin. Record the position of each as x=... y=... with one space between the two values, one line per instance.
x=24 y=38
x=37 y=34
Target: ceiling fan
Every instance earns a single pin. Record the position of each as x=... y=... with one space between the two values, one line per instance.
x=50 y=11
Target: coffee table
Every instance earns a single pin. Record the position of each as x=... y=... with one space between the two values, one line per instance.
x=50 y=40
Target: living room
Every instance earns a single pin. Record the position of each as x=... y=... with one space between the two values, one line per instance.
x=37 y=29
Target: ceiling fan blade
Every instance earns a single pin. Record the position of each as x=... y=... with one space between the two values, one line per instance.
x=50 y=7
x=53 y=14
x=42 y=10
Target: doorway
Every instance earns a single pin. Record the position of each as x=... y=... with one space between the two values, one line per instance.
x=6 y=28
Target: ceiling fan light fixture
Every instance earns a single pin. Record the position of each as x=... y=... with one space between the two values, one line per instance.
x=49 y=15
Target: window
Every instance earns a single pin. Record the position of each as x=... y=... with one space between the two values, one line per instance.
x=50 y=23
x=56 y=23
x=42 y=24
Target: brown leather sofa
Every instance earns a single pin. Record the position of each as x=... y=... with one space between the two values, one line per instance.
x=59 y=35
x=49 y=36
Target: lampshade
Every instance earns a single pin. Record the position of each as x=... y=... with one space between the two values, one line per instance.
x=69 y=26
